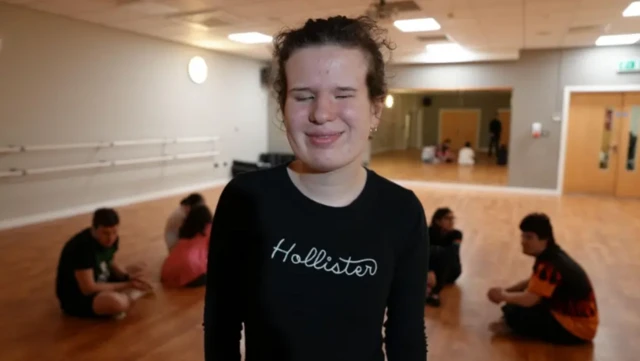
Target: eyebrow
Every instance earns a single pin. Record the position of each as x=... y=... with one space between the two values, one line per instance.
x=300 y=89
x=306 y=89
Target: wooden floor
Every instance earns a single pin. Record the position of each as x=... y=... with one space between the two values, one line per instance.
x=407 y=165
x=601 y=233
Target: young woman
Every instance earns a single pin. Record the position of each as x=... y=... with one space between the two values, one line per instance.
x=444 y=260
x=186 y=265
x=309 y=255
x=175 y=220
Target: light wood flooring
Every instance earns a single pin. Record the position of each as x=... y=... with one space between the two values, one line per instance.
x=602 y=234
x=407 y=165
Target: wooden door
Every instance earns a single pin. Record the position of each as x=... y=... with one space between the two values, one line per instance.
x=504 y=116
x=591 y=163
x=628 y=179
x=459 y=125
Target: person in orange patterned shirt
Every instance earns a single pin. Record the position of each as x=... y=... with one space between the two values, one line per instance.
x=557 y=303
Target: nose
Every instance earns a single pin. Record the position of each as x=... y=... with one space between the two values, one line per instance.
x=324 y=110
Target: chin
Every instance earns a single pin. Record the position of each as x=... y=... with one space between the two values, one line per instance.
x=323 y=163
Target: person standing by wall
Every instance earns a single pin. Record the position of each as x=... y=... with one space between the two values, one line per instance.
x=495 y=131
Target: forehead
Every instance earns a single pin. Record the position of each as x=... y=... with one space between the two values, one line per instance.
x=108 y=229
x=326 y=65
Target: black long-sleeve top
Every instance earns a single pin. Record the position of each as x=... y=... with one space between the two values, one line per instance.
x=312 y=282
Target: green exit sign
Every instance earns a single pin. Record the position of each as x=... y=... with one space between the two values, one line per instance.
x=629 y=66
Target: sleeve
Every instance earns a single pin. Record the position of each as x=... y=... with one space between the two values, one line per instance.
x=405 y=330
x=544 y=280
x=455 y=236
x=226 y=275
x=83 y=257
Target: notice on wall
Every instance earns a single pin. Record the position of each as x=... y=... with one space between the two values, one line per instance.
x=629 y=66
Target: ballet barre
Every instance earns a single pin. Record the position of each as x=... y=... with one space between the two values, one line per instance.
x=103 y=164
x=98 y=145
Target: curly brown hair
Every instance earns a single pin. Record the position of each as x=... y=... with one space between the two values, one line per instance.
x=361 y=32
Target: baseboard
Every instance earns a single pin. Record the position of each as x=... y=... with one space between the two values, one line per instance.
x=119 y=202
x=478 y=187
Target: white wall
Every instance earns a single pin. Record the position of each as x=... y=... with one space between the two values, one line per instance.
x=63 y=81
x=278 y=142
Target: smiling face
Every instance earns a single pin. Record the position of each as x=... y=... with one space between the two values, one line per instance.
x=328 y=113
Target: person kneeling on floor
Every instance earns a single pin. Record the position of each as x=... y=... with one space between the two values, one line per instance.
x=89 y=281
x=557 y=303
x=444 y=254
x=186 y=265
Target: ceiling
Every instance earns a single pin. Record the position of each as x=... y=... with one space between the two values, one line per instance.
x=488 y=29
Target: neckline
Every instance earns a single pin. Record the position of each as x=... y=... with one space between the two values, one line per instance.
x=300 y=197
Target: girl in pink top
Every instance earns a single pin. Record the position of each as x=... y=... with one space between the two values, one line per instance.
x=186 y=265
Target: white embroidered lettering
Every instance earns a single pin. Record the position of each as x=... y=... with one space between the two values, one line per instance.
x=318 y=260
x=278 y=249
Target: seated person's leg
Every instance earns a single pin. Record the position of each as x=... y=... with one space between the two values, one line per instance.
x=109 y=303
x=102 y=304
x=537 y=322
x=526 y=321
x=451 y=267
x=437 y=264
x=455 y=270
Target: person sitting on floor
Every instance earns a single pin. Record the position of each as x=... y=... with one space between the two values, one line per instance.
x=444 y=253
x=90 y=282
x=466 y=155
x=186 y=265
x=176 y=218
x=443 y=152
x=557 y=303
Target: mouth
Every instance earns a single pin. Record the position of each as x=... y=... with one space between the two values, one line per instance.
x=324 y=139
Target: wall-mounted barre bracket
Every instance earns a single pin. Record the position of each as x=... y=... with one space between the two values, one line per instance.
x=11 y=173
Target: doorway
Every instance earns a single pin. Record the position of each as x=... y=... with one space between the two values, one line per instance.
x=459 y=126
x=601 y=144
x=504 y=116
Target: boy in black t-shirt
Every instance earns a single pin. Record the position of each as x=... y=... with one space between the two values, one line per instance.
x=557 y=303
x=89 y=282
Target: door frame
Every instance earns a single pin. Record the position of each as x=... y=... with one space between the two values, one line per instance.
x=475 y=110
x=566 y=103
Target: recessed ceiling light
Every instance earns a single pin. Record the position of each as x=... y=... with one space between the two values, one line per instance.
x=632 y=10
x=415 y=25
x=251 y=38
x=620 y=39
